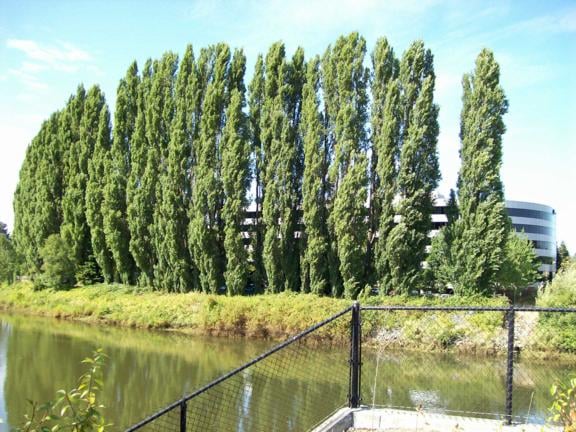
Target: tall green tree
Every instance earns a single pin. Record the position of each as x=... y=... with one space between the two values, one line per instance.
x=173 y=270
x=281 y=148
x=139 y=202
x=384 y=150
x=387 y=145
x=75 y=229
x=351 y=228
x=273 y=123
x=256 y=102
x=418 y=173
x=38 y=197
x=384 y=155
x=314 y=240
x=482 y=229
x=205 y=231
x=235 y=181
x=24 y=211
x=114 y=206
x=159 y=118
x=345 y=81
x=95 y=196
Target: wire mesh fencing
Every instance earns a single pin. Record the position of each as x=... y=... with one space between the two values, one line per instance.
x=292 y=387
x=479 y=362
x=544 y=355
x=484 y=362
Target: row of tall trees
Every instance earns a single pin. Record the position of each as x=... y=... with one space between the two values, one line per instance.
x=328 y=151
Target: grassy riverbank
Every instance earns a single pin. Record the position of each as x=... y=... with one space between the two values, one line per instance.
x=262 y=316
x=283 y=315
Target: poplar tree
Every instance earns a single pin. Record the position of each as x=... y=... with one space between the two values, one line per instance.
x=256 y=101
x=345 y=81
x=279 y=121
x=75 y=230
x=160 y=114
x=204 y=234
x=139 y=207
x=235 y=180
x=385 y=127
x=293 y=251
x=114 y=206
x=173 y=271
x=387 y=144
x=273 y=123
x=23 y=211
x=95 y=196
x=38 y=196
x=418 y=173
x=314 y=239
x=482 y=228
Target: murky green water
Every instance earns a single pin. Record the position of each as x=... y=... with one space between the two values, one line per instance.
x=148 y=370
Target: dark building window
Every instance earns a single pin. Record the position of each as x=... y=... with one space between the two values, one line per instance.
x=534 y=229
x=538 y=244
x=536 y=214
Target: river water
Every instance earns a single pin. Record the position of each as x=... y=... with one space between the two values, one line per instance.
x=146 y=370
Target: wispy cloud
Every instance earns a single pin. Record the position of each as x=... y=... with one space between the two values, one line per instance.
x=559 y=22
x=61 y=57
x=63 y=52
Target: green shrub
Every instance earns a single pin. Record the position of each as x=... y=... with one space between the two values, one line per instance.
x=562 y=290
x=58 y=266
x=89 y=273
x=558 y=330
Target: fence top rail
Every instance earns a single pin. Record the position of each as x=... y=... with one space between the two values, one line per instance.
x=514 y=308
x=239 y=369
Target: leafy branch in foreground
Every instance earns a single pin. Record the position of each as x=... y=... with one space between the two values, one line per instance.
x=563 y=409
x=77 y=410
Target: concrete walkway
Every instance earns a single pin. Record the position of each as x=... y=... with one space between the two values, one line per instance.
x=390 y=420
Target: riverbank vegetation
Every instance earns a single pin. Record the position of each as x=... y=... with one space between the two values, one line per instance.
x=266 y=316
x=316 y=176
x=283 y=315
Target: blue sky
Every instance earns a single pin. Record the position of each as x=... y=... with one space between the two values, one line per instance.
x=47 y=48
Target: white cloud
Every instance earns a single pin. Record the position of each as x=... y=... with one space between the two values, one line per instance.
x=28 y=79
x=61 y=57
x=559 y=22
x=64 y=52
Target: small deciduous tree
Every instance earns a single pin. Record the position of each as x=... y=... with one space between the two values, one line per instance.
x=8 y=258
x=520 y=265
x=58 y=266
x=562 y=256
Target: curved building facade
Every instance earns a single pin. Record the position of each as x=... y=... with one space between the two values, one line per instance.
x=538 y=223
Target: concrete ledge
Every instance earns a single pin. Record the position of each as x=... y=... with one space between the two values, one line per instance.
x=391 y=420
x=340 y=421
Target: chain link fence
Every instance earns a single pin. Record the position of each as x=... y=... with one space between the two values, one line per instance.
x=488 y=362
x=283 y=389
x=485 y=362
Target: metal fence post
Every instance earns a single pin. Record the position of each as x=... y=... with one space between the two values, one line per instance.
x=355 y=357
x=510 y=365
x=183 y=416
